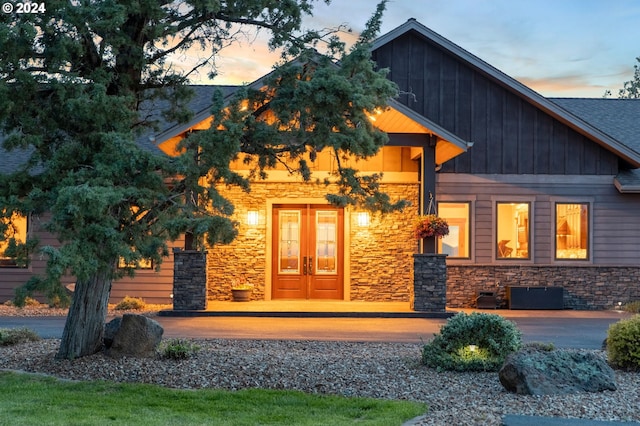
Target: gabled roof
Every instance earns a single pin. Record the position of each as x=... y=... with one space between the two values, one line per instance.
x=618 y=118
x=11 y=161
x=449 y=145
x=628 y=153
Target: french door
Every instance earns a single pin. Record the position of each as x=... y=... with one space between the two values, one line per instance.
x=307 y=252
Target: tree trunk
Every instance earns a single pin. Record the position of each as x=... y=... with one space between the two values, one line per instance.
x=84 y=328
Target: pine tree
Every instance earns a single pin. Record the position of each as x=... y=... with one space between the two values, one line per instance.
x=75 y=80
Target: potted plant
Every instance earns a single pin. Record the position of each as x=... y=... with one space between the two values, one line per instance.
x=430 y=226
x=241 y=289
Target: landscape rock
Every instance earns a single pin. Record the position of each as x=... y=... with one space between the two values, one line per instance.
x=110 y=330
x=538 y=372
x=137 y=336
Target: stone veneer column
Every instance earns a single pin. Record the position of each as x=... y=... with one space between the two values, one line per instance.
x=429 y=282
x=189 y=280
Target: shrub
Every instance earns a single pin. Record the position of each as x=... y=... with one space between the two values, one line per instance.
x=623 y=344
x=633 y=307
x=540 y=346
x=178 y=349
x=130 y=303
x=475 y=342
x=14 y=336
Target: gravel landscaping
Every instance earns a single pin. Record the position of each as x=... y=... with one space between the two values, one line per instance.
x=379 y=370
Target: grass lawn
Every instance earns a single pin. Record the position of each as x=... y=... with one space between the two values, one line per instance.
x=28 y=399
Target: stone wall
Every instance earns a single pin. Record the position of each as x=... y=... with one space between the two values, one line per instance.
x=381 y=254
x=189 y=280
x=585 y=287
x=430 y=285
x=381 y=267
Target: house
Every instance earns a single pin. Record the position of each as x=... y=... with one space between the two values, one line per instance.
x=539 y=193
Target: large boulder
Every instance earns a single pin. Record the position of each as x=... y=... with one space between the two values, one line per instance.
x=540 y=372
x=137 y=336
x=110 y=330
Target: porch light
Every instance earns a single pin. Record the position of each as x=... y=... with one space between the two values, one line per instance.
x=363 y=219
x=252 y=217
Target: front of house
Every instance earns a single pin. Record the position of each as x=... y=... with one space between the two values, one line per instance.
x=539 y=194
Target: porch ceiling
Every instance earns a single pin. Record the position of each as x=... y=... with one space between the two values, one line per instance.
x=404 y=126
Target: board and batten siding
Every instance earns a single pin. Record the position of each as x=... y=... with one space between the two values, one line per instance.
x=510 y=135
x=614 y=226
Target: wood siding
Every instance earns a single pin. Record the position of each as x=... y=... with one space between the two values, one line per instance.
x=614 y=225
x=510 y=135
x=153 y=287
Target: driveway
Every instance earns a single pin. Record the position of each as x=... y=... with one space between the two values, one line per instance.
x=565 y=329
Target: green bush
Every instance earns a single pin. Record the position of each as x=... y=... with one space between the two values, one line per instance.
x=475 y=342
x=130 y=304
x=633 y=307
x=178 y=349
x=14 y=336
x=623 y=344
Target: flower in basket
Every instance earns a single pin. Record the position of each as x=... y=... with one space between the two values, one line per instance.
x=240 y=283
x=430 y=226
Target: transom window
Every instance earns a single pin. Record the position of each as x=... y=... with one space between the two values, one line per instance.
x=457 y=243
x=572 y=231
x=512 y=230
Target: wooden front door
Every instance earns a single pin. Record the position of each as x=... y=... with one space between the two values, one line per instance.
x=307 y=252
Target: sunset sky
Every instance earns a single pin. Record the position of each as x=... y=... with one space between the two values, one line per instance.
x=560 y=48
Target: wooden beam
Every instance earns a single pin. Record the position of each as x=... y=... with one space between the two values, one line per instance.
x=407 y=139
x=428 y=187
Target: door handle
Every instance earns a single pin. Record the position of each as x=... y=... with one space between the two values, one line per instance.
x=304 y=265
x=310 y=265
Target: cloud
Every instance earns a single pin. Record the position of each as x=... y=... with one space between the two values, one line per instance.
x=566 y=86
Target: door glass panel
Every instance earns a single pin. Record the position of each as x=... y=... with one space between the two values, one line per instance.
x=326 y=242
x=289 y=239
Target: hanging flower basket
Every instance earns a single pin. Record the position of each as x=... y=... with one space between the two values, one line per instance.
x=430 y=226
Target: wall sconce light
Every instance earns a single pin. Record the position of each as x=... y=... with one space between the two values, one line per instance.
x=252 y=217
x=363 y=219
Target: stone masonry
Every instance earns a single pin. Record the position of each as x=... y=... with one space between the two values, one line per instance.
x=381 y=264
x=585 y=287
x=430 y=285
x=189 y=280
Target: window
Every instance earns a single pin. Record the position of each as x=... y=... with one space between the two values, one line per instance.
x=512 y=230
x=457 y=243
x=17 y=230
x=141 y=264
x=572 y=231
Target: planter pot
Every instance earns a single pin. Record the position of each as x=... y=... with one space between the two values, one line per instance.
x=241 y=295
